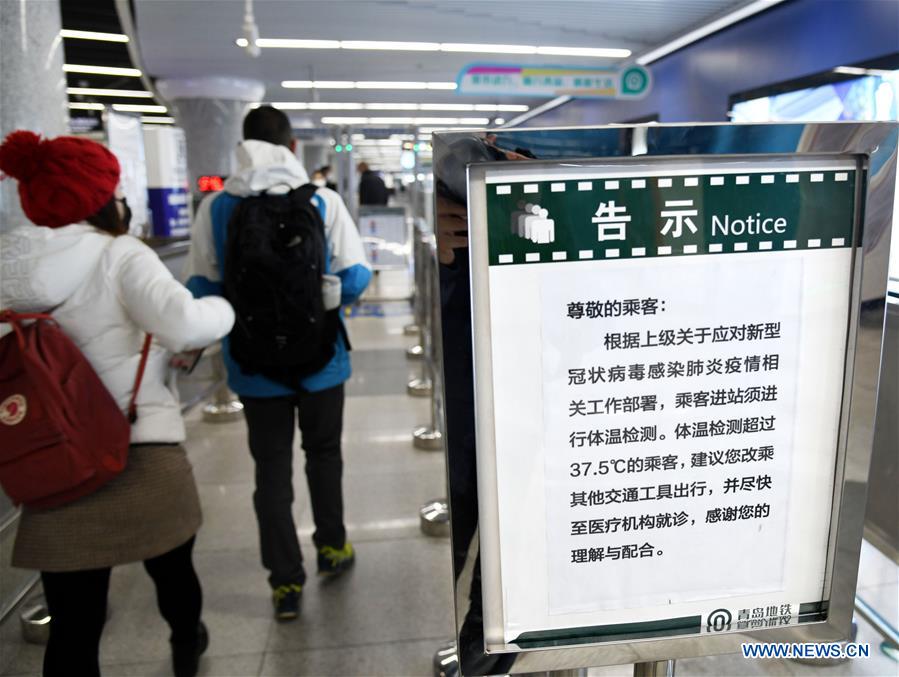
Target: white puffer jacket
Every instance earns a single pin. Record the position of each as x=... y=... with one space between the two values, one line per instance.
x=106 y=293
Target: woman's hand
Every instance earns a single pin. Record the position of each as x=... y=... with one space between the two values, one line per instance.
x=452 y=222
x=452 y=229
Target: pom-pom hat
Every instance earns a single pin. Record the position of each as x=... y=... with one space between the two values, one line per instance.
x=61 y=181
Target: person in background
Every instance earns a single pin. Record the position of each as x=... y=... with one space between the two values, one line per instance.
x=266 y=162
x=318 y=179
x=107 y=290
x=372 y=190
x=327 y=173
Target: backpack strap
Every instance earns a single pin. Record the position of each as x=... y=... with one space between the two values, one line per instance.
x=144 y=354
x=15 y=319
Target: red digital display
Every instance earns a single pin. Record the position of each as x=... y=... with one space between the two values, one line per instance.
x=208 y=184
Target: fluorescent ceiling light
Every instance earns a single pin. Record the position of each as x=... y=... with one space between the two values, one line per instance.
x=337 y=120
x=447 y=106
x=368 y=84
x=499 y=121
x=487 y=49
x=95 y=91
x=86 y=106
x=394 y=106
x=92 y=35
x=322 y=105
x=317 y=105
x=157 y=120
x=598 y=52
x=707 y=29
x=393 y=46
x=278 y=43
x=138 y=108
x=344 y=120
x=509 y=108
x=101 y=70
x=378 y=84
x=333 y=84
x=473 y=48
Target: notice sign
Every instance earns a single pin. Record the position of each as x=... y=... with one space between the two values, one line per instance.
x=666 y=360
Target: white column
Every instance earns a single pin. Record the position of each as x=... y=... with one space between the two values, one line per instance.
x=32 y=82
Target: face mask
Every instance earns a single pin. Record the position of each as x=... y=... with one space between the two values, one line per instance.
x=126 y=217
x=321 y=183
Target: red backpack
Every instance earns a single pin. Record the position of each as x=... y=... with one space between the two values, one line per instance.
x=62 y=435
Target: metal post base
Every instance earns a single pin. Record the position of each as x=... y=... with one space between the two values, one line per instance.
x=411 y=329
x=35 y=621
x=427 y=439
x=435 y=518
x=415 y=352
x=420 y=387
x=446 y=660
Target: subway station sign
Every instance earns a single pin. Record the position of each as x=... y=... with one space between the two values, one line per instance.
x=660 y=355
x=552 y=81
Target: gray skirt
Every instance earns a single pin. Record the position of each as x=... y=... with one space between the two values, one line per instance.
x=149 y=509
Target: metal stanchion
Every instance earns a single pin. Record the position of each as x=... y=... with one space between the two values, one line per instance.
x=423 y=385
x=434 y=517
x=446 y=660
x=417 y=327
x=225 y=407
x=35 y=621
x=429 y=436
x=412 y=329
x=654 y=669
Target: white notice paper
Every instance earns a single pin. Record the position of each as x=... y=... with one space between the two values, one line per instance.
x=669 y=397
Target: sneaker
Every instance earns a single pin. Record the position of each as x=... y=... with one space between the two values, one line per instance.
x=286 y=599
x=332 y=562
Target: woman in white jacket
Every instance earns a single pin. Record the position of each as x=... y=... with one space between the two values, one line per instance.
x=107 y=290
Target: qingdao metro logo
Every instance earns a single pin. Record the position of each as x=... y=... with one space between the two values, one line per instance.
x=719 y=620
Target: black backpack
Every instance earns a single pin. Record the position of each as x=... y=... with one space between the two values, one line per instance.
x=274 y=262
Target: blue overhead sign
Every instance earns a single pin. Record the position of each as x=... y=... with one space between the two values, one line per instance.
x=633 y=82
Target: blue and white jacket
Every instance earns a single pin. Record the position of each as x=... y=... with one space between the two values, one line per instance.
x=262 y=167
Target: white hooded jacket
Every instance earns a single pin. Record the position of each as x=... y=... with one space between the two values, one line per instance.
x=266 y=167
x=106 y=293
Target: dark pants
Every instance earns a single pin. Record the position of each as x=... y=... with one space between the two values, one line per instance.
x=77 y=604
x=270 y=424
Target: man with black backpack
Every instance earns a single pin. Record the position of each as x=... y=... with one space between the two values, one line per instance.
x=287 y=255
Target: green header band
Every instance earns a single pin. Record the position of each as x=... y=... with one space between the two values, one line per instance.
x=664 y=216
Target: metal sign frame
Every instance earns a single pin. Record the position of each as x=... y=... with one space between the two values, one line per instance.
x=874 y=146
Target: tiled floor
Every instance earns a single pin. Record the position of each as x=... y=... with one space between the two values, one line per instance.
x=390 y=613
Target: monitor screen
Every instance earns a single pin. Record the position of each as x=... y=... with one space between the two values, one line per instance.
x=868 y=97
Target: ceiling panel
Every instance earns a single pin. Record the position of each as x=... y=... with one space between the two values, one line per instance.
x=196 y=37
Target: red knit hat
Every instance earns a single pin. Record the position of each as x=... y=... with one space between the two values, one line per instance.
x=61 y=181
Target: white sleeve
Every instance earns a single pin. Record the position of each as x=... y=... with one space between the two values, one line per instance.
x=201 y=259
x=342 y=233
x=162 y=306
